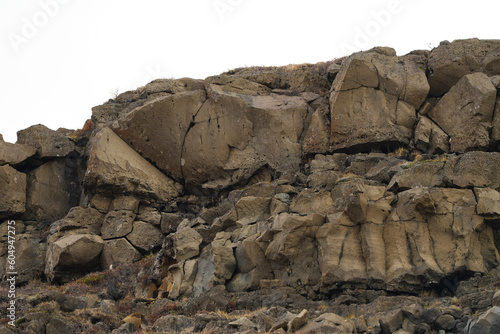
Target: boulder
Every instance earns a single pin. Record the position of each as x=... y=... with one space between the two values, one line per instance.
x=251 y=266
x=73 y=251
x=373 y=100
x=222 y=140
x=216 y=265
x=427 y=173
x=114 y=167
x=235 y=135
x=12 y=192
x=14 y=154
x=118 y=252
x=487 y=323
x=79 y=218
x=449 y=62
x=317 y=135
x=145 y=236
x=52 y=189
x=48 y=143
x=466 y=111
x=488 y=202
x=292 y=252
x=473 y=169
x=187 y=244
x=429 y=137
x=117 y=224
x=145 y=127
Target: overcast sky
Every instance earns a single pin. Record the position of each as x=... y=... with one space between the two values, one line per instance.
x=59 y=58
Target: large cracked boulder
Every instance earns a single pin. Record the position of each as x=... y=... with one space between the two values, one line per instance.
x=374 y=97
x=219 y=141
x=158 y=129
x=465 y=113
x=73 y=254
x=12 y=191
x=449 y=62
x=115 y=167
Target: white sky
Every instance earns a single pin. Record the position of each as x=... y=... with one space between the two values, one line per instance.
x=59 y=58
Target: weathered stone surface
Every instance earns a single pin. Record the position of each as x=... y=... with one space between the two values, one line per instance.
x=429 y=137
x=117 y=224
x=488 y=201
x=12 y=191
x=419 y=174
x=79 y=220
x=235 y=135
x=251 y=266
x=73 y=250
x=373 y=100
x=48 y=143
x=317 y=136
x=465 y=113
x=252 y=209
x=449 y=62
x=145 y=236
x=187 y=244
x=473 y=169
x=149 y=215
x=115 y=167
x=488 y=322
x=14 y=154
x=216 y=265
x=292 y=252
x=52 y=189
x=144 y=129
x=118 y=252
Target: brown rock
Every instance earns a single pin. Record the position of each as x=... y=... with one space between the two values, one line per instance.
x=488 y=201
x=473 y=169
x=14 y=154
x=117 y=224
x=465 y=113
x=145 y=236
x=114 y=167
x=73 y=250
x=52 y=189
x=118 y=252
x=48 y=143
x=429 y=137
x=12 y=192
x=145 y=127
x=448 y=63
x=372 y=81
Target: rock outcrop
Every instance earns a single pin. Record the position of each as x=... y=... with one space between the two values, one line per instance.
x=356 y=196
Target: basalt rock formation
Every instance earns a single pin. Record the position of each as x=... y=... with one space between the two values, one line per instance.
x=372 y=176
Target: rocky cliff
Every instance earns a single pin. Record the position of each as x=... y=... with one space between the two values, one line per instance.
x=356 y=187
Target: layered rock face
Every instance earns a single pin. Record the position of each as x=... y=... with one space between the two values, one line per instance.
x=375 y=171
